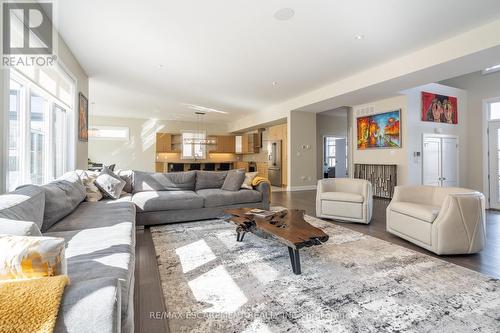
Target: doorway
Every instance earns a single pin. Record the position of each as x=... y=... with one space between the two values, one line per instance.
x=440 y=160
x=493 y=133
x=334 y=157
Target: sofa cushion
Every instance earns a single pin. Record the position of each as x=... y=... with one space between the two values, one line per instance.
x=210 y=179
x=90 y=306
x=62 y=196
x=173 y=181
x=110 y=184
x=152 y=201
x=218 y=197
x=422 y=212
x=97 y=214
x=19 y=228
x=25 y=203
x=342 y=196
x=234 y=180
x=106 y=252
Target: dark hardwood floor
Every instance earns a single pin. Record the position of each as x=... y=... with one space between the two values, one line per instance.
x=148 y=298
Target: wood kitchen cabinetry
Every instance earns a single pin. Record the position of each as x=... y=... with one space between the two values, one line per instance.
x=249 y=143
x=262 y=169
x=225 y=144
x=163 y=142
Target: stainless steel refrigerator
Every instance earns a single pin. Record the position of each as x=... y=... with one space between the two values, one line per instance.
x=274 y=162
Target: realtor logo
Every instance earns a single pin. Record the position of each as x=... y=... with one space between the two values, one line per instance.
x=27 y=32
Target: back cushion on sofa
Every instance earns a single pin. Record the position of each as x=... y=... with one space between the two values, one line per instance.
x=26 y=203
x=62 y=196
x=210 y=179
x=173 y=181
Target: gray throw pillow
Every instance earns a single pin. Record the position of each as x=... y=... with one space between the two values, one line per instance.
x=128 y=177
x=233 y=180
x=110 y=184
x=62 y=196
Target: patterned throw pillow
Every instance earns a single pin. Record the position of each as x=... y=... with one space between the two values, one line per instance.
x=247 y=183
x=31 y=257
x=92 y=192
x=110 y=184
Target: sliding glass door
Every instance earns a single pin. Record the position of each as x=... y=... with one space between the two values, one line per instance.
x=38 y=132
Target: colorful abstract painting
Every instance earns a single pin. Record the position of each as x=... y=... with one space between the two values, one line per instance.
x=439 y=108
x=83 y=118
x=381 y=130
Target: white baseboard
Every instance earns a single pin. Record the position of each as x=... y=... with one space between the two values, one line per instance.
x=301 y=188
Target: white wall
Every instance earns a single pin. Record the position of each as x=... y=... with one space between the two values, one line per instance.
x=138 y=153
x=417 y=128
x=302 y=142
x=396 y=156
x=479 y=88
x=331 y=125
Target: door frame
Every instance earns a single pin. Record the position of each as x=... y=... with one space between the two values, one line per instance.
x=347 y=166
x=486 y=148
x=441 y=136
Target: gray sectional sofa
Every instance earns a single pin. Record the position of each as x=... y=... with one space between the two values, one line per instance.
x=186 y=196
x=100 y=236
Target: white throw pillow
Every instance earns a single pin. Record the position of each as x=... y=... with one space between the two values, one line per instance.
x=92 y=192
x=247 y=183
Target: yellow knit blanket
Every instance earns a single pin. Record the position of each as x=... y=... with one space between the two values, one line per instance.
x=257 y=180
x=30 y=305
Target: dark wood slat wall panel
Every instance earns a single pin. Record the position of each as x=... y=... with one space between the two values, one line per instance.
x=382 y=176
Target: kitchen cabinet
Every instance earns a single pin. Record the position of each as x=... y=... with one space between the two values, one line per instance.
x=163 y=142
x=249 y=143
x=262 y=169
x=225 y=144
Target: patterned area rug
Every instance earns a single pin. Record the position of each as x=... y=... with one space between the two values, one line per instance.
x=352 y=283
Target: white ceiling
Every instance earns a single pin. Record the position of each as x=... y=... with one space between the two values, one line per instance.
x=225 y=54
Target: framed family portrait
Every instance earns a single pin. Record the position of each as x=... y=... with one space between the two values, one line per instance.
x=83 y=118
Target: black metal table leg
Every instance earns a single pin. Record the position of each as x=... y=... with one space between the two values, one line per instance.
x=295 y=260
x=240 y=236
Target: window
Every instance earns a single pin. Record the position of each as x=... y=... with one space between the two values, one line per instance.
x=192 y=145
x=495 y=111
x=38 y=126
x=109 y=133
x=330 y=151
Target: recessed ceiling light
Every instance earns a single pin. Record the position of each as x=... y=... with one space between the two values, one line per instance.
x=359 y=37
x=202 y=108
x=275 y=83
x=284 y=14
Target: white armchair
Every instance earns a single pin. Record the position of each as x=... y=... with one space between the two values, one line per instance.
x=444 y=220
x=345 y=199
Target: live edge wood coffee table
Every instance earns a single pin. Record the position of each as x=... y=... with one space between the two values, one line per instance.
x=287 y=227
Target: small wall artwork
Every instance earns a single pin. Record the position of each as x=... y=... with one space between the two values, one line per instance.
x=439 y=108
x=381 y=130
x=83 y=118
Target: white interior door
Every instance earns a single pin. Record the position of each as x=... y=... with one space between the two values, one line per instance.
x=449 y=162
x=340 y=158
x=494 y=163
x=432 y=161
